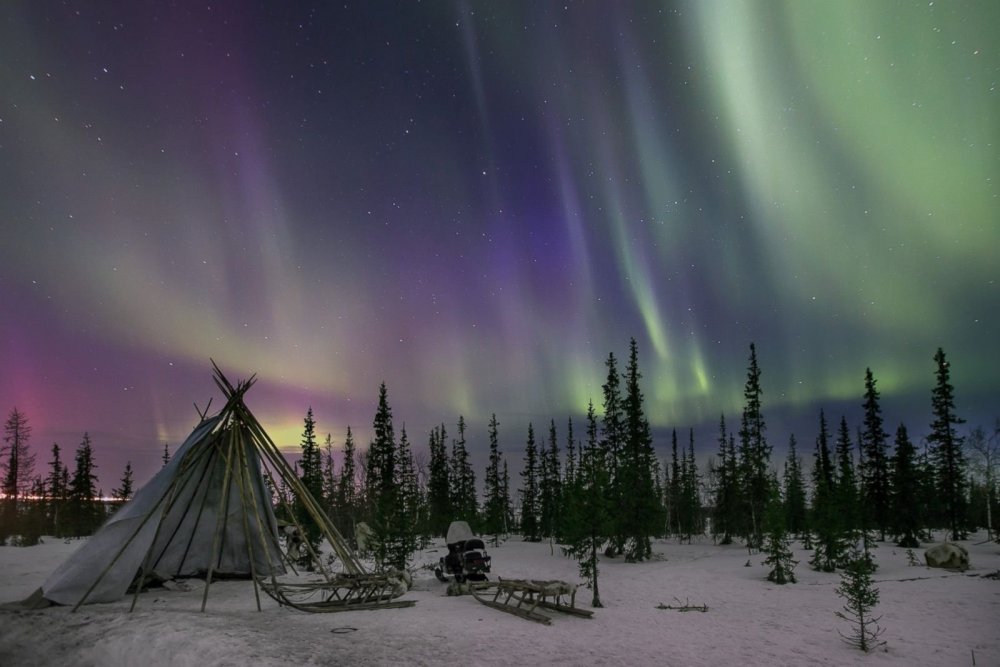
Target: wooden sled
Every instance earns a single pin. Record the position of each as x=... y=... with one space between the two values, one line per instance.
x=344 y=592
x=525 y=598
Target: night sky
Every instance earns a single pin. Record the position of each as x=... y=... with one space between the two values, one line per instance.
x=477 y=201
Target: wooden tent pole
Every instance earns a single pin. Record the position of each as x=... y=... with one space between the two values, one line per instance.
x=314 y=512
x=242 y=482
x=271 y=531
x=295 y=521
x=330 y=531
x=245 y=482
x=220 y=528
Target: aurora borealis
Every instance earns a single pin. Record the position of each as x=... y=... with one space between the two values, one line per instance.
x=477 y=201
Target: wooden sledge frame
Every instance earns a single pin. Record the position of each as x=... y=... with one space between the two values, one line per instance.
x=342 y=593
x=523 y=598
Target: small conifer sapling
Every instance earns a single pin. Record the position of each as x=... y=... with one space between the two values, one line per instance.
x=860 y=598
x=777 y=546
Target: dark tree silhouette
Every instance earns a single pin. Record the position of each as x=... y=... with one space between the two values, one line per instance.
x=727 y=487
x=860 y=597
x=588 y=525
x=530 y=529
x=463 y=479
x=311 y=473
x=875 y=462
x=17 y=465
x=85 y=511
x=439 y=496
x=946 y=451
x=493 y=507
x=612 y=439
x=123 y=493
x=796 y=510
x=754 y=453
x=905 y=492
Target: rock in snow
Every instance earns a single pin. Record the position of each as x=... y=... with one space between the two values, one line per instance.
x=947 y=555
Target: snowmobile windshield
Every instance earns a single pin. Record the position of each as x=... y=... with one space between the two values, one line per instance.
x=459 y=531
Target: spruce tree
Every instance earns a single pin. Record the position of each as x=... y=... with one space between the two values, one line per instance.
x=165 y=458
x=554 y=465
x=926 y=492
x=530 y=530
x=796 y=512
x=659 y=497
x=570 y=453
x=311 y=473
x=329 y=475
x=572 y=507
x=588 y=528
x=640 y=507
x=755 y=453
x=846 y=484
x=905 y=492
x=727 y=490
x=33 y=519
x=946 y=451
x=665 y=499
x=311 y=464
x=826 y=520
x=508 y=504
x=675 y=493
x=347 y=497
x=875 y=467
x=777 y=544
x=65 y=483
x=712 y=473
x=612 y=438
x=463 y=479
x=860 y=597
x=124 y=492
x=56 y=489
x=691 y=485
x=439 y=496
x=84 y=504
x=391 y=488
x=382 y=486
x=408 y=504
x=548 y=485
x=493 y=507
x=16 y=466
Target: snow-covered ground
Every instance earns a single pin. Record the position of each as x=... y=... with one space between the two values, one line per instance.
x=931 y=617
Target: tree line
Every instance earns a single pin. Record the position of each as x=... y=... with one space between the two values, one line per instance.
x=607 y=493
x=604 y=492
x=64 y=502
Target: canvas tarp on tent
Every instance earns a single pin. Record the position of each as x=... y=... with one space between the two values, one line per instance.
x=172 y=524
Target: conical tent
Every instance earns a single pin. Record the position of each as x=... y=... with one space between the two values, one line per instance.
x=208 y=513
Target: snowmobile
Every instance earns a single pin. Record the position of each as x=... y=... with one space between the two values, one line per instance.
x=467 y=559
